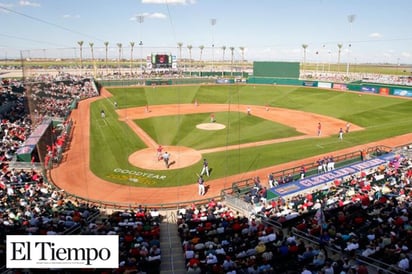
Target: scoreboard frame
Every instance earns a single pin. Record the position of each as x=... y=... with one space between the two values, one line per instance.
x=162 y=60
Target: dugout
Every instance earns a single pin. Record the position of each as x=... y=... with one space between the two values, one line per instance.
x=35 y=146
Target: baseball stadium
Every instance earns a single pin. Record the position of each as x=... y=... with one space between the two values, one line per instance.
x=277 y=162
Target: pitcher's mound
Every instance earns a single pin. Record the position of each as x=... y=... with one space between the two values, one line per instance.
x=180 y=157
x=211 y=126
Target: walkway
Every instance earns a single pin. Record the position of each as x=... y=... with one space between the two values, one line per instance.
x=173 y=261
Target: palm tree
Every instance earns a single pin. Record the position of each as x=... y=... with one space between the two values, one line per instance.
x=106 y=47
x=242 y=50
x=119 y=45
x=131 y=56
x=180 y=45
x=81 y=53
x=232 y=53
x=201 y=47
x=339 y=52
x=189 y=47
x=223 y=51
x=91 y=44
x=304 y=46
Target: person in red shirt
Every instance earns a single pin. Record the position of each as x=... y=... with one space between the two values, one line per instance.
x=159 y=152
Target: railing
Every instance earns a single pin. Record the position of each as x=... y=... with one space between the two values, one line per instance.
x=238 y=204
x=165 y=206
x=379 y=265
x=370 y=262
x=75 y=229
x=265 y=220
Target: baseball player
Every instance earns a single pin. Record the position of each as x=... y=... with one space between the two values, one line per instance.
x=205 y=168
x=201 y=184
x=166 y=157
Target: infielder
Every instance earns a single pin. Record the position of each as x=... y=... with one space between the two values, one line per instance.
x=205 y=168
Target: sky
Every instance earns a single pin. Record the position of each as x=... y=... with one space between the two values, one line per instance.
x=370 y=31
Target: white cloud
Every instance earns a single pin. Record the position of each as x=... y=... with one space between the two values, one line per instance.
x=6 y=6
x=26 y=3
x=68 y=16
x=171 y=2
x=406 y=54
x=375 y=35
x=155 y=15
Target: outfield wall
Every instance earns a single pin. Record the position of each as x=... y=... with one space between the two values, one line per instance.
x=359 y=86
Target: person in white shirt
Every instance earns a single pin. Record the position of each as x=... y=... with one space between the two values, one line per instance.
x=403 y=262
x=352 y=245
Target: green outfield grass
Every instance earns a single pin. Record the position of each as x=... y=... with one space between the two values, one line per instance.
x=113 y=141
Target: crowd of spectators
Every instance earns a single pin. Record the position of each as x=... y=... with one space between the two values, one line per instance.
x=364 y=77
x=29 y=204
x=25 y=105
x=367 y=214
x=217 y=239
x=139 y=238
x=364 y=218
x=53 y=96
x=15 y=124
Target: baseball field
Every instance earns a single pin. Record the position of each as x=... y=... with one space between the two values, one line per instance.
x=114 y=158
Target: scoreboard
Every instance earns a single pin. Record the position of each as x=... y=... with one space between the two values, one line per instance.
x=162 y=61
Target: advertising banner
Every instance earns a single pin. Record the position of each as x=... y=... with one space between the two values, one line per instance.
x=384 y=91
x=224 y=81
x=324 y=85
x=369 y=89
x=402 y=92
x=309 y=84
x=340 y=86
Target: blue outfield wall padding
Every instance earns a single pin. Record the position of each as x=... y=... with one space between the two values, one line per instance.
x=320 y=180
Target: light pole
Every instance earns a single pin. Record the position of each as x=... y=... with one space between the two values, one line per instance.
x=329 y=60
x=140 y=20
x=131 y=57
x=323 y=56
x=106 y=49
x=351 y=19
x=213 y=23
x=304 y=46
x=339 y=52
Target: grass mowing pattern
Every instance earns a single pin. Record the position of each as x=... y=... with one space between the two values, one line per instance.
x=112 y=143
x=180 y=130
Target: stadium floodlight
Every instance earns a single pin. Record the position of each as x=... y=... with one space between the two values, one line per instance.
x=351 y=19
x=213 y=22
x=140 y=20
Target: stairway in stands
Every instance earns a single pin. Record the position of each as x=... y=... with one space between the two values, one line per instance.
x=173 y=261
